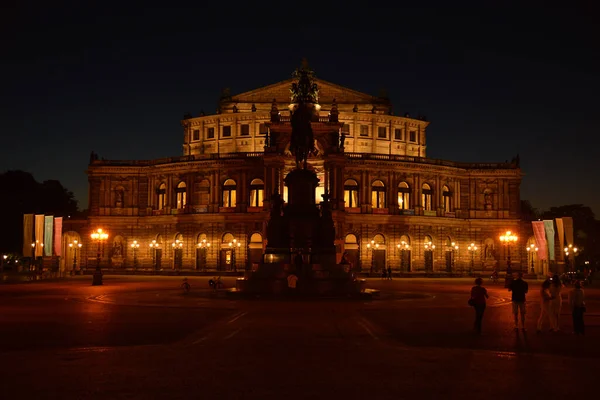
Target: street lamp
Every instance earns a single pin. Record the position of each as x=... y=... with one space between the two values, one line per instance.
x=177 y=250
x=531 y=250
x=472 y=249
x=204 y=246
x=153 y=249
x=429 y=247
x=134 y=246
x=4 y=257
x=453 y=248
x=75 y=245
x=100 y=236
x=402 y=248
x=33 y=247
x=508 y=238
x=570 y=249
x=372 y=246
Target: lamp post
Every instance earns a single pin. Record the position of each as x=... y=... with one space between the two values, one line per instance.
x=531 y=250
x=453 y=249
x=429 y=247
x=4 y=257
x=204 y=246
x=472 y=249
x=154 y=246
x=75 y=245
x=570 y=250
x=100 y=236
x=135 y=246
x=402 y=247
x=372 y=246
x=177 y=249
x=507 y=239
x=33 y=258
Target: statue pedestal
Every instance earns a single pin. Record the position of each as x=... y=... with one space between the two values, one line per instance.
x=117 y=262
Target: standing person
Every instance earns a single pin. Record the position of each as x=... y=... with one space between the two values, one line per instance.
x=478 y=301
x=545 y=298
x=389 y=273
x=519 y=289
x=577 y=304
x=556 y=303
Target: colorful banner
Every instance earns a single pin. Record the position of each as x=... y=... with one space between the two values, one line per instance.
x=540 y=239
x=27 y=234
x=58 y=236
x=549 y=228
x=568 y=222
x=561 y=237
x=39 y=235
x=48 y=235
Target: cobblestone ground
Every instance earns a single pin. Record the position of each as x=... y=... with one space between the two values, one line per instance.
x=142 y=338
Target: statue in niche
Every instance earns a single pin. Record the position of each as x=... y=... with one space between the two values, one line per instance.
x=117 y=249
x=489 y=251
x=119 y=199
x=342 y=141
x=487 y=199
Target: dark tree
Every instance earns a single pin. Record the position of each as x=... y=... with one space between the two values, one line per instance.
x=528 y=212
x=22 y=194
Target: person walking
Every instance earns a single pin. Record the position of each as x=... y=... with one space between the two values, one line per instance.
x=556 y=303
x=478 y=301
x=389 y=274
x=519 y=289
x=545 y=298
x=577 y=305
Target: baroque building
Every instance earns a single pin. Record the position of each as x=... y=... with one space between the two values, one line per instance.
x=391 y=204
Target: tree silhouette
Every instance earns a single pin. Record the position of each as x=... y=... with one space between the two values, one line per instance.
x=22 y=194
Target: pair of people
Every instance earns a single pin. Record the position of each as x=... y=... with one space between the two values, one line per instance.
x=479 y=296
x=550 y=303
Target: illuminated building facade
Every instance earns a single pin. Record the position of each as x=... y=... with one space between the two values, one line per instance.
x=392 y=206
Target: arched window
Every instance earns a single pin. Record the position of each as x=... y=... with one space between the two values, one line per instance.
x=351 y=193
x=403 y=196
x=378 y=194
x=181 y=195
x=162 y=196
x=447 y=195
x=379 y=238
x=256 y=192
x=426 y=197
x=229 y=191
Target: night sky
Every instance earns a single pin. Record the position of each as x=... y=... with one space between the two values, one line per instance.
x=117 y=79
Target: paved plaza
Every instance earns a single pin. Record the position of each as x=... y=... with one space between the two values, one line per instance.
x=141 y=337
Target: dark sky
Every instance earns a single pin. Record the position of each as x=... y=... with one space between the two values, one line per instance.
x=117 y=78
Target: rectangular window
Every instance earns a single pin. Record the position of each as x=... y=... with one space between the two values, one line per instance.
x=227 y=131
x=398 y=134
x=346 y=129
x=245 y=131
x=382 y=132
x=196 y=135
x=364 y=130
x=210 y=133
x=262 y=129
x=413 y=136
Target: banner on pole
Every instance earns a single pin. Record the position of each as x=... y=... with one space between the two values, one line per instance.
x=549 y=228
x=48 y=235
x=58 y=236
x=561 y=237
x=27 y=234
x=540 y=239
x=568 y=222
x=39 y=235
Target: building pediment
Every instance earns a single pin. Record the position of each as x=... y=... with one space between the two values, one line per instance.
x=327 y=92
